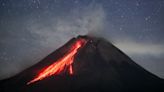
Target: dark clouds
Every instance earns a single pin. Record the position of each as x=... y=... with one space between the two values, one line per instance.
x=32 y=29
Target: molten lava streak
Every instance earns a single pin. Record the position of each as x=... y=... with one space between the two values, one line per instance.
x=59 y=65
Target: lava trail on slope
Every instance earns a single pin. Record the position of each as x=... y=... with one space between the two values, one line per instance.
x=62 y=63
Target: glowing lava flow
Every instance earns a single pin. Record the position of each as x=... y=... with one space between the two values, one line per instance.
x=59 y=65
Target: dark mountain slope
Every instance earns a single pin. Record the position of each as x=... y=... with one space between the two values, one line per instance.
x=98 y=66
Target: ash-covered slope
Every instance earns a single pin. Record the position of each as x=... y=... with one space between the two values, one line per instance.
x=98 y=66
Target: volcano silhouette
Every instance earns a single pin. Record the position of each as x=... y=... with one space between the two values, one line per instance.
x=98 y=66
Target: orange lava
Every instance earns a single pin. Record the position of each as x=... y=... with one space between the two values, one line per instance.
x=58 y=66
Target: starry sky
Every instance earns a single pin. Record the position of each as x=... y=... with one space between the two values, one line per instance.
x=31 y=29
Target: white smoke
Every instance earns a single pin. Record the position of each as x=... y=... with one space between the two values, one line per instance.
x=134 y=48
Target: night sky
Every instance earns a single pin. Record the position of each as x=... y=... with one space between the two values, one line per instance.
x=31 y=29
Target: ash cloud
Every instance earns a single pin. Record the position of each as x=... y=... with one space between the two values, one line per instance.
x=138 y=48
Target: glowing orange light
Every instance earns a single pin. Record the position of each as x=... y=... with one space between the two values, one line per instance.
x=60 y=64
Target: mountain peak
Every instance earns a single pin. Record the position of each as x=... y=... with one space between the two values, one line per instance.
x=85 y=64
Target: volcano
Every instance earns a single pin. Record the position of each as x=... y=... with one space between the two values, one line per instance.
x=84 y=64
